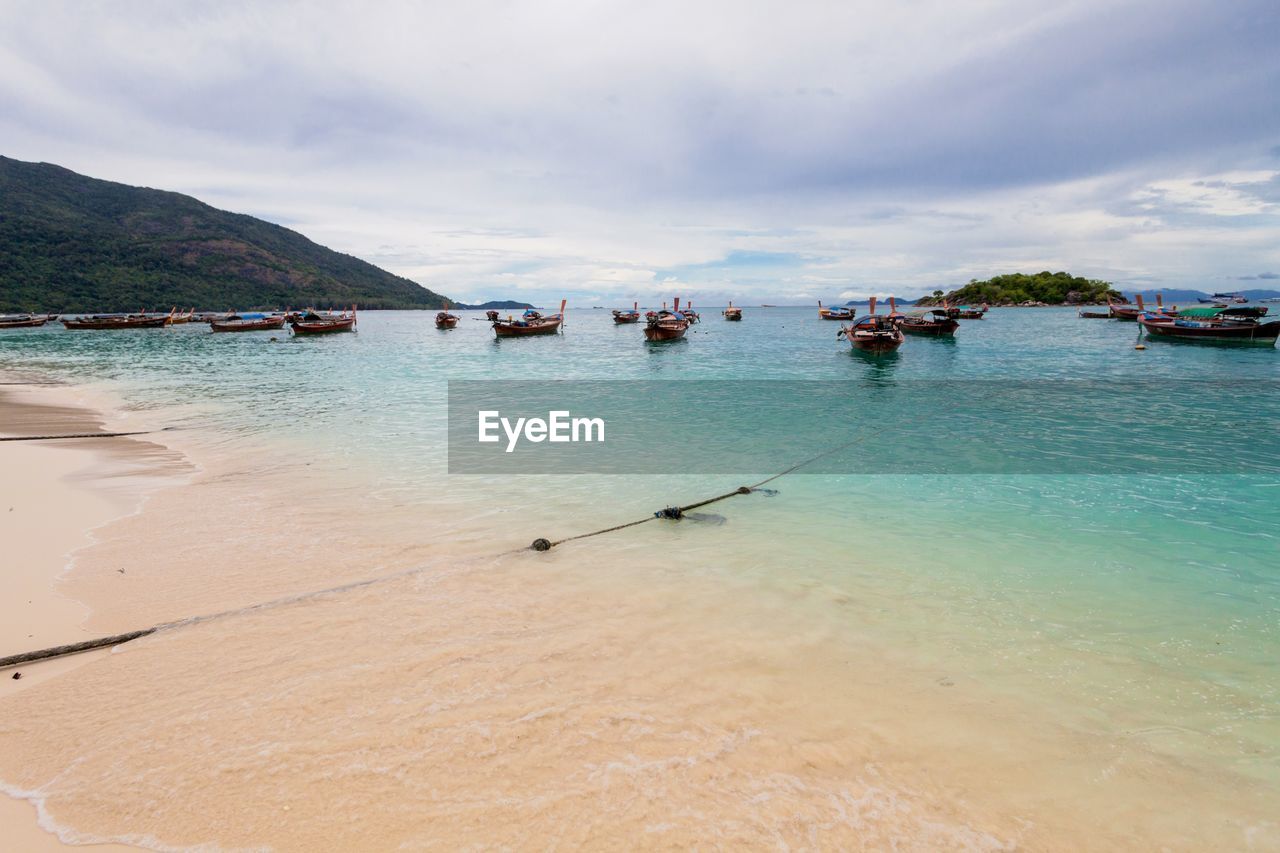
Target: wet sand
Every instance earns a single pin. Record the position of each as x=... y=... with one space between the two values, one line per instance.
x=593 y=696
x=55 y=495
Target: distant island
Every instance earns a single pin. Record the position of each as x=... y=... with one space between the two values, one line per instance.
x=497 y=304
x=1043 y=288
x=71 y=243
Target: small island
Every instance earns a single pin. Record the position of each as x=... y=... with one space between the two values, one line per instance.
x=1042 y=288
x=495 y=304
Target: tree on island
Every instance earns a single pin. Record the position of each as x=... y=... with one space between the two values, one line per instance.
x=1049 y=288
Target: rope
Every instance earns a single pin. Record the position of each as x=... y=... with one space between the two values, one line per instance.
x=675 y=513
x=76 y=435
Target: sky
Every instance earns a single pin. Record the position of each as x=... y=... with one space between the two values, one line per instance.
x=761 y=151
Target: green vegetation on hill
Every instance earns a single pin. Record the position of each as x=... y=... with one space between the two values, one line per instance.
x=72 y=243
x=1051 y=288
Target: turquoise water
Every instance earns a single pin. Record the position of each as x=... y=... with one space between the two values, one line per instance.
x=1149 y=604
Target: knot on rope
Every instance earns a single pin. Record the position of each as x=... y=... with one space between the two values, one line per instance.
x=672 y=512
x=541 y=545
x=744 y=490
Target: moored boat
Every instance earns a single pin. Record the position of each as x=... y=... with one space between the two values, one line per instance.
x=732 y=313
x=972 y=312
x=22 y=321
x=927 y=321
x=1094 y=315
x=314 y=323
x=1211 y=324
x=831 y=313
x=255 y=322
x=118 y=321
x=1127 y=313
x=873 y=332
x=666 y=325
x=178 y=318
x=1223 y=299
x=624 y=317
x=530 y=323
x=445 y=320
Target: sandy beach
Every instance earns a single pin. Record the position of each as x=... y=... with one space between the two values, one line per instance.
x=55 y=496
x=471 y=697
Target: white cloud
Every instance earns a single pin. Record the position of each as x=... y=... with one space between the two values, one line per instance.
x=626 y=148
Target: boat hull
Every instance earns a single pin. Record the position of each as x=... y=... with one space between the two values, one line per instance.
x=446 y=322
x=876 y=341
x=1260 y=333
x=664 y=333
x=510 y=330
x=268 y=324
x=25 y=323
x=121 y=323
x=626 y=319
x=323 y=328
x=930 y=328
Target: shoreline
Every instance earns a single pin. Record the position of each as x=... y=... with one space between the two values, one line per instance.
x=89 y=483
x=532 y=669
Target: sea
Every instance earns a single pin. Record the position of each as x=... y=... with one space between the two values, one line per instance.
x=1078 y=652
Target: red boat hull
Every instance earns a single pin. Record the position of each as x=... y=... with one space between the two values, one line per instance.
x=322 y=327
x=1265 y=333
x=671 y=332
x=622 y=319
x=544 y=327
x=876 y=341
x=267 y=324
x=23 y=324
x=936 y=328
x=446 y=322
x=120 y=323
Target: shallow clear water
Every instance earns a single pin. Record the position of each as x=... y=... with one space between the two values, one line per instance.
x=1144 y=607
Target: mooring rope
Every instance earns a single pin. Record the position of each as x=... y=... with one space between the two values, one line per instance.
x=671 y=512
x=76 y=435
x=675 y=513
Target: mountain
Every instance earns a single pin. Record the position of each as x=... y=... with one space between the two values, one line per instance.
x=71 y=243
x=1050 y=288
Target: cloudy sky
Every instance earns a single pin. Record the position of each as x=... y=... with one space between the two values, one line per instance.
x=782 y=151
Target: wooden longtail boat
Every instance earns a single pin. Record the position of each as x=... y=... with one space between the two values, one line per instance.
x=445 y=320
x=969 y=312
x=248 y=323
x=180 y=318
x=926 y=321
x=666 y=325
x=312 y=323
x=624 y=317
x=22 y=321
x=1216 y=325
x=491 y=315
x=1094 y=315
x=118 y=321
x=1126 y=312
x=833 y=313
x=873 y=333
x=691 y=315
x=530 y=323
x=732 y=313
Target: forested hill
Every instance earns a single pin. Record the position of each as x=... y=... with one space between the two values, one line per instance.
x=1051 y=288
x=71 y=243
